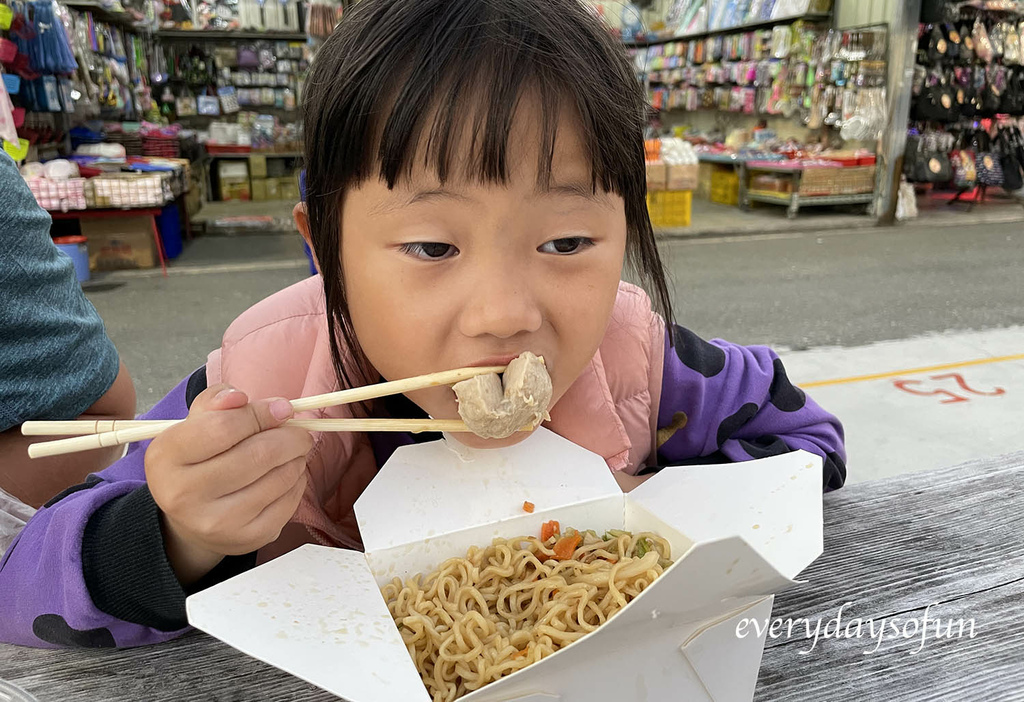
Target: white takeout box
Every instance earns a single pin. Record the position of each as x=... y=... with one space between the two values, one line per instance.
x=739 y=533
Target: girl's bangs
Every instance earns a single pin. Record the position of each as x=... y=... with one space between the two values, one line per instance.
x=448 y=98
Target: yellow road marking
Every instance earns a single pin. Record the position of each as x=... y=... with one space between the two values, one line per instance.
x=912 y=371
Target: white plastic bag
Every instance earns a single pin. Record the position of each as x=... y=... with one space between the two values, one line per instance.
x=13 y=515
x=906 y=202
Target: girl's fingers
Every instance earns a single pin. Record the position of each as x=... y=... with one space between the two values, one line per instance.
x=267 y=525
x=251 y=460
x=248 y=503
x=220 y=418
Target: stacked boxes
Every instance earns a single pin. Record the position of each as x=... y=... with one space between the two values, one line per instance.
x=669 y=194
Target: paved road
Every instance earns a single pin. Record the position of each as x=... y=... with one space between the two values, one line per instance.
x=849 y=288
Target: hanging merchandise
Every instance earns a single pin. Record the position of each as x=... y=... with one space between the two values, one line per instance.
x=48 y=51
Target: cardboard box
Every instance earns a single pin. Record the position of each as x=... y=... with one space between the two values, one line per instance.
x=739 y=533
x=259 y=189
x=258 y=166
x=273 y=189
x=119 y=243
x=683 y=177
x=657 y=176
x=289 y=190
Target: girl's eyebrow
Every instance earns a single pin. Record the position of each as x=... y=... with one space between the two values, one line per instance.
x=571 y=189
x=418 y=197
x=576 y=189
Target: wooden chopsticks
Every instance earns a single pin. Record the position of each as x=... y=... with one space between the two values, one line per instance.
x=92 y=434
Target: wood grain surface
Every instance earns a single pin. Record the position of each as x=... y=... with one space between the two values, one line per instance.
x=952 y=539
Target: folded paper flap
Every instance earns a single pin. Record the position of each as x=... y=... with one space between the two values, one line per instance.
x=439 y=488
x=704 y=651
x=773 y=503
x=316 y=613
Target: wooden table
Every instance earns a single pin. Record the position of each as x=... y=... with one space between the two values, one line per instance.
x=952 y=537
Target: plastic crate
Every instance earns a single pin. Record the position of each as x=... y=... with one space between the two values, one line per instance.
x=670 y=209
x=725 y=186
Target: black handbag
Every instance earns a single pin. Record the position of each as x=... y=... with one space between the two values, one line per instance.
x=937 y=103
x=992 y=94
x=987 y=162
x=953 y=42
x=966 y=93
x=1013 y=98
x=929 y=163
x=937 y=48
x=1010 y=159
x=966 y=44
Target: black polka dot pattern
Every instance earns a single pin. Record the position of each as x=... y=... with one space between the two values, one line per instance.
x=732 y=424
x=52 y=629
x=764 y=446
x=697 y=354
x=783 y=394
x=835 y=471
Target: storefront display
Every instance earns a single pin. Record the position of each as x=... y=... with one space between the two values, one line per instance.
x=967 y=104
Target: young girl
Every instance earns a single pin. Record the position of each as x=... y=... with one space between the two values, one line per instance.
x=475 y=183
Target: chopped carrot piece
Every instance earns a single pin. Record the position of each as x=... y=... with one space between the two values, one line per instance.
x=528 y=507
x=549 y=529
x=566 y=546
x=520 y=654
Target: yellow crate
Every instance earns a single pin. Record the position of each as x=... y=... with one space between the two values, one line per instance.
x=725 y=186
x=670 y=209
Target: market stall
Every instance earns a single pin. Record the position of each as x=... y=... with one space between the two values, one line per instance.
x=772 y=84
x=144 y=111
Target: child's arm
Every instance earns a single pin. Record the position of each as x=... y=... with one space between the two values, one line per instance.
x=103 y=565
x=736 y=403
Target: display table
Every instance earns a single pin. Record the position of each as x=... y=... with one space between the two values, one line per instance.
x=794 y=199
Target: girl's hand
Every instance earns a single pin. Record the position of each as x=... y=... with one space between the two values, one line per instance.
x=227 y=479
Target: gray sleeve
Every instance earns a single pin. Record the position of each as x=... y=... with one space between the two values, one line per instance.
x=55 y=357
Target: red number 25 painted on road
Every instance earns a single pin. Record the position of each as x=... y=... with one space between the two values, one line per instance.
x=911 y=386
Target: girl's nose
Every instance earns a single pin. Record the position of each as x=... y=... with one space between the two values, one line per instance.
x=501 y=303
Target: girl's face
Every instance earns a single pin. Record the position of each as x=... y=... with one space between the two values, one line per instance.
x=475 y=274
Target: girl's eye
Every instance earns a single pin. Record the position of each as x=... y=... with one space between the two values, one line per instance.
x=429 y=250
x=568 y=245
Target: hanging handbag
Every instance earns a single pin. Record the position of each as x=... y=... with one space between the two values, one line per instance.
x=966 y=95
x=937 y=46
x=1013 y=178
x=965 y=175
x=937 y=101
x=966 y=45
x=982 y=44
x=953 y=42
x=932 y=164
x=992 y=93
x=1011 y=50
x=990 y=171
x=1013 y=98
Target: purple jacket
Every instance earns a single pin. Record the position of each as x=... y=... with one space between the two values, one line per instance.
x=89 y=569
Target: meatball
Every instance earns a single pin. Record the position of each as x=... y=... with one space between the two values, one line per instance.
x=495 y=410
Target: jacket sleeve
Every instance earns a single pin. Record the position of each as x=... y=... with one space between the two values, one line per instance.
x=725 y=402
x=90 y=570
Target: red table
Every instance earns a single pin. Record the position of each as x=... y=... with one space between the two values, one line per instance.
x=151 y=212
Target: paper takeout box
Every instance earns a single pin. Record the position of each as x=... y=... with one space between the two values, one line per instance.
x=739 y=533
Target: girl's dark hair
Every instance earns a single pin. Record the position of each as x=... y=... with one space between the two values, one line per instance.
x=401 y=78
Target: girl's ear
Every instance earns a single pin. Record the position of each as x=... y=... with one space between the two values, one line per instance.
x=302 y=222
